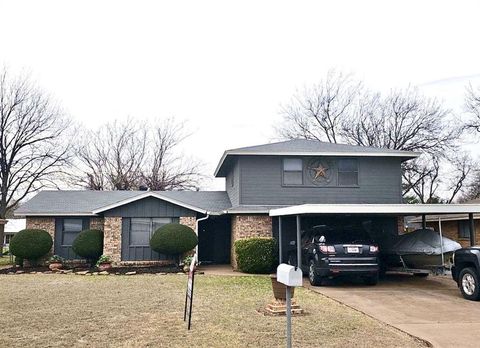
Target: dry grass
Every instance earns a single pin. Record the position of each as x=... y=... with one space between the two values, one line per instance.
x=147 y=310
x=5 y=260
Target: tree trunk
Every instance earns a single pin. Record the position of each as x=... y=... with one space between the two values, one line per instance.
x=2 y=229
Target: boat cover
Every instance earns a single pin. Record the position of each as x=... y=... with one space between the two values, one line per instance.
x=425 y=242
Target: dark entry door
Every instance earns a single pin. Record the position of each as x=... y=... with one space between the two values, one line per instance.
x=214 y=240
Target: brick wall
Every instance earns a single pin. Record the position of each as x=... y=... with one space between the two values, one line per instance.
x=247 y=226
x=96 y=223
x=189 y=221
x=112 y=237
x=42 y=223
x=450 y=230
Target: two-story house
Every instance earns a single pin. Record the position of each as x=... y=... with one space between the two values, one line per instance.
x=259 y=180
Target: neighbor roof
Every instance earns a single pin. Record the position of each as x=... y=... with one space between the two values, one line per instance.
x=64 y=203
x=303 y=147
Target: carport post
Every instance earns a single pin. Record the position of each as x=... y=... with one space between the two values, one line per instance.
x=441 y=239
x=424 y=222
x=280 y=258
x=472 y=229
x=299 y=249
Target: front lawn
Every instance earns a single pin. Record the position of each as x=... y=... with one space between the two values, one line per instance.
x=147 y=310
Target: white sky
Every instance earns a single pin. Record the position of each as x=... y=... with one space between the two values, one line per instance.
x=227 y=66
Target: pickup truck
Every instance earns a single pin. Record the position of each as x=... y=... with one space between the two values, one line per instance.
x=466 y=272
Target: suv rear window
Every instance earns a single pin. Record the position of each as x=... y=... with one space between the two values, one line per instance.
x=343 y=236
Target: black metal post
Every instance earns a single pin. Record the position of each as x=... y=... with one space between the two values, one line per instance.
x=280 y=246
x=299 y=249
x=472 y=229
x=424 y=222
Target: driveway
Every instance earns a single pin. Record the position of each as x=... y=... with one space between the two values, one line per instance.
x=430 y=308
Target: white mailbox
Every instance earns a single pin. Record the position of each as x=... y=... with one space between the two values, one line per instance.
x=288 y=275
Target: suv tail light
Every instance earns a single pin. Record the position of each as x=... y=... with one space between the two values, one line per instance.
x=374 y=248
x=327 y=249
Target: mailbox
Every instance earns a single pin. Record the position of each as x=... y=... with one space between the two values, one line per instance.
x=289 y=275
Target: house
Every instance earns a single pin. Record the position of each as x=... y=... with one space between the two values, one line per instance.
x=260 y=181
x=12 y=226
x=455 y=226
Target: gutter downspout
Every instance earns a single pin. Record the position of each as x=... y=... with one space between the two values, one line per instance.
x=196 y=232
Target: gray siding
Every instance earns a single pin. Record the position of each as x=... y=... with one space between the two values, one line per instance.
x=379 y=181
x=150 y=207
x=233 y=191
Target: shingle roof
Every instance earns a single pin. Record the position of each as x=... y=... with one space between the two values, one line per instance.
x=303 y=147
x=85 y=202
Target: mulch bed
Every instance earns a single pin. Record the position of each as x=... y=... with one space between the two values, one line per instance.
x=130 y=270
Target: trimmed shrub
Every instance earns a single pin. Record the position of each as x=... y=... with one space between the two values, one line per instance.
x=31 y=244
x=89 y=244
x=256 y=255
x=173 y=239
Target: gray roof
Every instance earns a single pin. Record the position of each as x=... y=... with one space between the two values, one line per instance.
x=86 y=202
x=304 y=147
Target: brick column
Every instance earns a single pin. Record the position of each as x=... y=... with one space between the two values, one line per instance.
x=42 y=223
x=96 y=223
x=112 y=238
x=189 y=221
x=400 y=225
x=248 y=226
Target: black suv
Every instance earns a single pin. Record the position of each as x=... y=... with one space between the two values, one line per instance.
x=330 y=252
x=466 y=272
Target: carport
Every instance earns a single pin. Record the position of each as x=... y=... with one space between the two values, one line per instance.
x=375 y=210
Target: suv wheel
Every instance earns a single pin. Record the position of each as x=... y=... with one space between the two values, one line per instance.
x=313 y=276
x=469 y=286
x=371 y=280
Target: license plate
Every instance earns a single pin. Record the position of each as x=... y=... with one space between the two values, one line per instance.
x=352 y=250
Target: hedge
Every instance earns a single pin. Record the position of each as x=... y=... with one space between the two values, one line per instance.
x=89 y=244
x=31 y=244
x=256 y=255
x=173 y=239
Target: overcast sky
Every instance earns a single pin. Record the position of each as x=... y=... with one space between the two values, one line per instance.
x=225 y=67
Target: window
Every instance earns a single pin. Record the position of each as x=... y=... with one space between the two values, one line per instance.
x=141 y=229
x=347 y=172
x=71 y=228
x=292 y=171
x=464 y=229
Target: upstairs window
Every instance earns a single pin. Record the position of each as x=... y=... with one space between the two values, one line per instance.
x=347 y=172
x=292 y=171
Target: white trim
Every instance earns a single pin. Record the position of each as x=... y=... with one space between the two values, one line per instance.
x=405 y=154
x=48 y=214
x=145 y=195
x=394 y=209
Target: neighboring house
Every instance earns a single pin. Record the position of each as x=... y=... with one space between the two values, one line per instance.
x=11 y=227
x=258 y=179
x=455 y=226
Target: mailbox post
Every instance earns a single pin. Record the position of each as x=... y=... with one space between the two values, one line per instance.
x=290 y=276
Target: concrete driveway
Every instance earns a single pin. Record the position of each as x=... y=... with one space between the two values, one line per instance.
x=430 y=308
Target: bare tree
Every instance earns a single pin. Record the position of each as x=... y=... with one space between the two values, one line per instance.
x=421 y=180
x=472 y=105
x=33 y=151
x=131 y=155
x=319 y=112
x=165 y=168
x=112 y=156
x=473 y=188
x=404 y=120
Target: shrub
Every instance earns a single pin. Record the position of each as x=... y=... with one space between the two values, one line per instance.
x=104 y=259
x=89 y=244
x=31 y=244
x=256 y=255
x=56 y=258
x=173 y=239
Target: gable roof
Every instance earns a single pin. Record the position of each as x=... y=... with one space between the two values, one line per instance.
x=88 y=203
x=304 y=147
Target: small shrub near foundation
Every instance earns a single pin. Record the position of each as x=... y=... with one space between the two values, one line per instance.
x=31 y=244
x=256 y=255
x=89 y=244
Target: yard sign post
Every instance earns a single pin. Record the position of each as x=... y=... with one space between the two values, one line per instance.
x=189 y=294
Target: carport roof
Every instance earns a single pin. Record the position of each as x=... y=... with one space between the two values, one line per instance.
x=385 y=209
